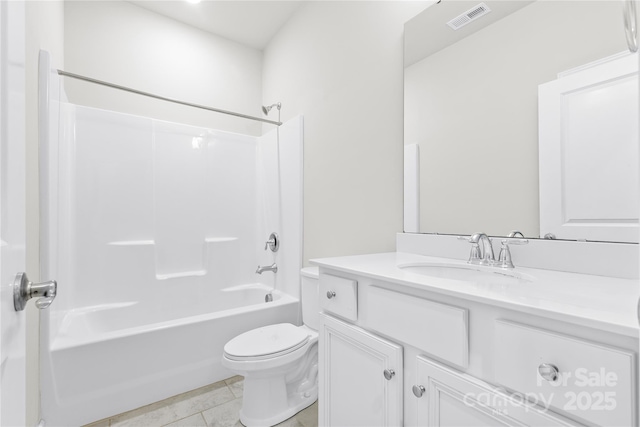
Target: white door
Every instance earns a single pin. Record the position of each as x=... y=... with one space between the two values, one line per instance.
x=12 y=211
x=361 y=377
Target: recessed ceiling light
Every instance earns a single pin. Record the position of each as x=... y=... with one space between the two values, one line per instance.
x=193 y=1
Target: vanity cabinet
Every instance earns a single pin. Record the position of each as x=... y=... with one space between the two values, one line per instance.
x=361 y=377
x=448 y=398
x=451 y=362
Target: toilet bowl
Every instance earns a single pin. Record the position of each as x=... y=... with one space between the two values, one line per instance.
x=279 y=363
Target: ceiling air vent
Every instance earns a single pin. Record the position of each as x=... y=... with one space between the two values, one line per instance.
x=470 y=15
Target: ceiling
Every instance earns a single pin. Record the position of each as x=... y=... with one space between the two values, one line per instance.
x=252 y=23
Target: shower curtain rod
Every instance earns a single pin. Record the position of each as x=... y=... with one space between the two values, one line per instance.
x=163 y=98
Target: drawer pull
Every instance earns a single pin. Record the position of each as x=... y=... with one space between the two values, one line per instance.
x=418 y=390
x=548 y=372
x=389 y=373
x=331 y=294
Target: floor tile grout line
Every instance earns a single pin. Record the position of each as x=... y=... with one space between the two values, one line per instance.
x=183 y=418
x=111 y=419
x=202 y=412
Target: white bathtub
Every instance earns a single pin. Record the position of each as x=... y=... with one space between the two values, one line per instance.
x=108 y=359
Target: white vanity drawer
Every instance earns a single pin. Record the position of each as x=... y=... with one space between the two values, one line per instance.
x=437 y=329
x=594 y=382
x=339 y=296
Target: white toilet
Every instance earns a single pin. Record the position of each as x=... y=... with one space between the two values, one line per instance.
x=279 y=363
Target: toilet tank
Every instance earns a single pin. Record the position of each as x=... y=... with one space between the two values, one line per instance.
x=310 y=279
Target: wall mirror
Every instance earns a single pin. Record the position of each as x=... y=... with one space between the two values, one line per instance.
x=473 y=120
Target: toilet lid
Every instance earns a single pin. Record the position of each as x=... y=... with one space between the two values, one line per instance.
x=269 y=341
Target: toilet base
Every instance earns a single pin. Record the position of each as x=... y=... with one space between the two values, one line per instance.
x=292 y=410
x=274 y=395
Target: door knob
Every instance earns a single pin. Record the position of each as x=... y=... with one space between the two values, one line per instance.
x=331 y=294
x=24 y=290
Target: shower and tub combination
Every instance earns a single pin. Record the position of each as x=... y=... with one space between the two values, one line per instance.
x=154 y=230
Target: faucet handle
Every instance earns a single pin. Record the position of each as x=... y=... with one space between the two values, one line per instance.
x=475 y=256
x=504 y=259
x=273 y=243
x=473 y=238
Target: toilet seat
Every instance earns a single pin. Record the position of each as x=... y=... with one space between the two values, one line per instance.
x=267 y=342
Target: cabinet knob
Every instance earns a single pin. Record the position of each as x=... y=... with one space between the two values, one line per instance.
x=548 y=372
x=389 y=373
x=418 y=390
x=331 y=294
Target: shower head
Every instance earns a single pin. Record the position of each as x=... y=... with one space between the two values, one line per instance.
x=266 y=110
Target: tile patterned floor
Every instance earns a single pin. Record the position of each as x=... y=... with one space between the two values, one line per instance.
x=215 y=405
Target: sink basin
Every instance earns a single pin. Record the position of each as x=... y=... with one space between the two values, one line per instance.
x=467 y=272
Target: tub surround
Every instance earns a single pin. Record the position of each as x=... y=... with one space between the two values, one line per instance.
x=431 y=348
x=153 y=230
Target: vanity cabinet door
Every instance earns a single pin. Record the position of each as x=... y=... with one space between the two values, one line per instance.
x=449 y=398
x=361 y=377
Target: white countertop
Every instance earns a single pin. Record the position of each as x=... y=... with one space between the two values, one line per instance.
x=604 y=303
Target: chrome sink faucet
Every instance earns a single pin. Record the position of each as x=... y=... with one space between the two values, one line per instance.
x=273 y=267
x=481 y=249
x=486 y=249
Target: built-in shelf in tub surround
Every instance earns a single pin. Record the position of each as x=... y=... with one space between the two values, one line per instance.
x=132 y=243
x=151 y=242
x=178 y=274
x=181 y=274
x=220 y=239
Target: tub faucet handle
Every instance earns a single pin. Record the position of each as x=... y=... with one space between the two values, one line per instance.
x=273 y=243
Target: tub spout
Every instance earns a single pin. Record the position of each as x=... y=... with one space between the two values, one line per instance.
x=273 y=267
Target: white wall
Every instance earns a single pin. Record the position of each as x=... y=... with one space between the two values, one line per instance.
x=340 y=65
x=124 y=44
x=45 y=30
